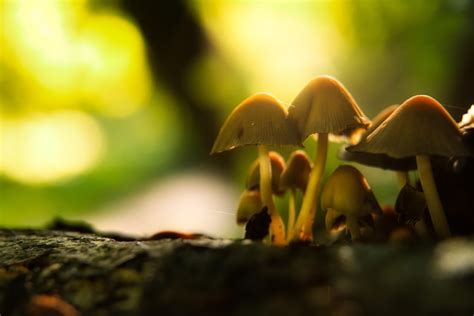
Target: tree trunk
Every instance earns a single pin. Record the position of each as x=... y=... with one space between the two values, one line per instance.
x=47 y=272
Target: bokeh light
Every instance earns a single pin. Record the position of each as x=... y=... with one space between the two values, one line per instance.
x=64 y=55
x=277 y=46
x=108 y=105
x=49 y=148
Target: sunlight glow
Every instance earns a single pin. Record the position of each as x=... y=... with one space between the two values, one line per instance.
x=112 y=65
x=279 y=47
x=62 y=54
x=47 y=148
x=62 y=58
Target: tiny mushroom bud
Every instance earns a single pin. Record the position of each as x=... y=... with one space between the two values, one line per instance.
x=259 y=120
x=347 y=193
x=420 y=127
x=250 y=203
x=278 y=165
x=323 y=107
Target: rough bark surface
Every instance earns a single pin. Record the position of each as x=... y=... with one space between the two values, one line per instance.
x=45 y=272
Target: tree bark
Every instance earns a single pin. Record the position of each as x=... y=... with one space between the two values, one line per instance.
x=74 y=273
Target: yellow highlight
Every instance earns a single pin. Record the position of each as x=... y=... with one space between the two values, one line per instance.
x=47 y=148
x=278 y=45
x=114 y=75
x=63 y=58
x=60 y=54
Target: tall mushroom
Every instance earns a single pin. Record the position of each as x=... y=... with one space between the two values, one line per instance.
x=400 y=166
x=259 y=120
x=324 y=106
x=420 y=127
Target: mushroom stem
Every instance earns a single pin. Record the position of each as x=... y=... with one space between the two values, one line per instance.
x=431 y=194
x=403 y=178
x=291 y=214
x=304 y=224
x=276 y=226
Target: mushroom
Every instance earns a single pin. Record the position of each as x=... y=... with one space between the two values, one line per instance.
x=259 y=120
x=278 y=165
x=250 y=203
x=324 y=106
x=400 y=166
x=420 y=127
x=347 y=194
x=467 y=119
x=295 y=177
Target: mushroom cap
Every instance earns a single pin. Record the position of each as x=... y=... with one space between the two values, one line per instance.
x=381 y=161
x=410 y=205
x=325 y=106
x=420 y=126
x=258 y=120
x=297 y=171
x=250 y=203
x=348 y=192
x=379 y=119
x=378 y=160
x=278 y=165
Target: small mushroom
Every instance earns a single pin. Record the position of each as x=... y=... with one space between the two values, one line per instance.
x=278 y=165
x=420 y=127
x=467 y=119
x=250 y=203
x=324 y=106
x=259 y=120
x=401 y=166
x=347 y=196
x=295 y=177
x=297 y=172
x=412 y=210
x=410 y=205
x=466 y=125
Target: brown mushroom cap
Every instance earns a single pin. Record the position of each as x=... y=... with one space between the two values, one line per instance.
x=297 y=172
x=250 y=203
x=378 y=160
x=379 y=119
x=278 y=165
x=325 y=106
x=347 y=191
x=420 y=126
x=258 y=120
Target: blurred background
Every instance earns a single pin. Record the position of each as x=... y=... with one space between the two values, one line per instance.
x=108 y=109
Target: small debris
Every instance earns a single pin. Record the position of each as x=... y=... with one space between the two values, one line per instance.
x=258 y=225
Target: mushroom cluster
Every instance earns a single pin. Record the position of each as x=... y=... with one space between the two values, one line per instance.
x=400 y=138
